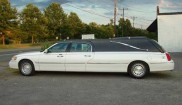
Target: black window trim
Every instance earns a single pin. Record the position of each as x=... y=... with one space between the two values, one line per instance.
x=69 y=47
x=60 y=43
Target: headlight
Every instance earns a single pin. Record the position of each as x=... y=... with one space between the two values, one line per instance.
x=14 y=58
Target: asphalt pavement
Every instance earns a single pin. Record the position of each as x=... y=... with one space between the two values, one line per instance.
x=5 y=55
x=60 y=88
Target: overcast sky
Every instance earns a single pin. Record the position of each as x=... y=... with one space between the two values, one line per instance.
x=101 y=11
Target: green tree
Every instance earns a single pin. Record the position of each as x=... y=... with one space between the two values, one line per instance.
x=141 y=32
x=17 y=35
x=100 y=31
x=33 y=22
x=56 y=19
x=7 y=18
x=92 y=28
x=124 y=28
x=74 y=27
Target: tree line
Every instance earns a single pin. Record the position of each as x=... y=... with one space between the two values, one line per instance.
x=33 y=25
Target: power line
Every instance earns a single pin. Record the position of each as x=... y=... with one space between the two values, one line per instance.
x=135 y=22
x=93 y=13
x=140 y=10
x=127 y=9
x=130 y=8
x=104 y=15
x=142 y=18
x=145 y=19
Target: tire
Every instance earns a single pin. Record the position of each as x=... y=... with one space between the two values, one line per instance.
x=26 y=68
x=138 y=70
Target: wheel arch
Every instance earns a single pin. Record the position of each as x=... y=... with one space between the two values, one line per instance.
x=25 y=60
x=139 y=61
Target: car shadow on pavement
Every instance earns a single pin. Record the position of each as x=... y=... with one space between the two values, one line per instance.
x=155 y=75
x=81 y=74
x=152 y=75
x=165 y=75
x=160 y=75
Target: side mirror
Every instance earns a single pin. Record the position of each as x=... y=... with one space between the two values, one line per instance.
x=46 y=51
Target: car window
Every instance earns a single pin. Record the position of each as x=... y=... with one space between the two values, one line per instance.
x=80 y=47
x=60 y=47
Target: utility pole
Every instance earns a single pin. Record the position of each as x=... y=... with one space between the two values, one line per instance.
x=133 y=18
x=115 y=13
x=123 y=21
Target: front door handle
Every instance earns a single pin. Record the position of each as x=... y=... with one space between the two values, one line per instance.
x=60 y=55
x=87 y=55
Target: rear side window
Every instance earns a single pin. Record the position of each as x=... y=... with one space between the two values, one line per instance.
x=127 y=44
x=80 y=47
x=160 y=48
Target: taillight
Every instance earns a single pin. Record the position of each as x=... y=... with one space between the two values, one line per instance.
x=168 y=57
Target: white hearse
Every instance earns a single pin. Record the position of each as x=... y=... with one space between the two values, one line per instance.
x=137 y=56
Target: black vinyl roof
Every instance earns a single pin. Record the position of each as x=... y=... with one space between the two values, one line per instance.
x=139 y=44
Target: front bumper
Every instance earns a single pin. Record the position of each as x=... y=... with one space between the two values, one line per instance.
x=13 y=64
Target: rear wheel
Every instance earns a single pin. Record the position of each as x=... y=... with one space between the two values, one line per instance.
x=26 y=68
x=138 y=70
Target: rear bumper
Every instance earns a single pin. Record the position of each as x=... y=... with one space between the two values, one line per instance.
x=164 y=66
x=13 y=64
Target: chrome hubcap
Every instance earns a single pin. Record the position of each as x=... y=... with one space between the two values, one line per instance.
x=26 y=68
x=138 y=70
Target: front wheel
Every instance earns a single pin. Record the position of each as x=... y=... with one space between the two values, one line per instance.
x=138 y=70
x=26 y=68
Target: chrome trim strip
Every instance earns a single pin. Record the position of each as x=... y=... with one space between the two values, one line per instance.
x=75 y=63
x=56 y=63
x=161 y=63
x=129 y=45
x=107 y=63
x=49 y=63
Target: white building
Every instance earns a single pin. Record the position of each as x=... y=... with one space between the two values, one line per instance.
x=169 y=29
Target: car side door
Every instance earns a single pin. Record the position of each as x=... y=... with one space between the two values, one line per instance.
x=78 y=56
x=54 y=58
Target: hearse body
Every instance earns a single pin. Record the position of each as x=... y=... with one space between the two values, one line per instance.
x=137 y=56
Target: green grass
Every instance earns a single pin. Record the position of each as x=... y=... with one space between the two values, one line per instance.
x=43 y=45
x=15 y=46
